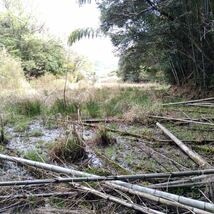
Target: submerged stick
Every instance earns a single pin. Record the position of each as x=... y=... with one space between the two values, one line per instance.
x=123 y=133
x=193 y=155
x=186 y=102
x=182 y=120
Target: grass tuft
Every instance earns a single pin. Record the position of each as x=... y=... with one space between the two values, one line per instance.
x=104 y=138
x=28 y=107
x=35 y=155
x=93 y=109
x=68 y=149
x=59 y=106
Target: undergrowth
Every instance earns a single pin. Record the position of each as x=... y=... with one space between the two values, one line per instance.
x=68 y=149
x=104 y=138
x=127 y=103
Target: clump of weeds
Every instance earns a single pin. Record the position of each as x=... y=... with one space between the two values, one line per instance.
x=70 y=148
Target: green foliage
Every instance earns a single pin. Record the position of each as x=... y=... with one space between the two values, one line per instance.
x=64 y=108
x=176 y=37
x=129 y=67
x=42 y=55
x=35 y=155
x=83 y=33
x=28 y=107
x=21 y=36
x=21 y=123
x=93 y=108
x=36 y=133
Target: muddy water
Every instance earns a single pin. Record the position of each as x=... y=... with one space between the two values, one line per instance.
x=22 y=142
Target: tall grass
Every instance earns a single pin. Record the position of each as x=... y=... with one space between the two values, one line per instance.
x=28 y=107
x=129 y=102
x=60 y=106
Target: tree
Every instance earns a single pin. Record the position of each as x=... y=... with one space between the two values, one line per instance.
x=177 y=35
x=21 y=37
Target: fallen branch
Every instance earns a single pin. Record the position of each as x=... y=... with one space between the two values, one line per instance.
x=43 y=195
x=123 y=133
x=101 y=120
x=186 y=102
x=119 y=201
x=181 y=120
x=49 y=210
x=193 y=155
x=151 y=152
x=197 y=142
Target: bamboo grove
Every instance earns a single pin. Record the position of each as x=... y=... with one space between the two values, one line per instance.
x=176 y=37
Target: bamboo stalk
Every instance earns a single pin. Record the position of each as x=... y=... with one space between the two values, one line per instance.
x=183 y=200
x=183 y=181
x=201 y=105
x=108 y=178
x=45 y=166
x=193 y=184
x=172 y=197
x=160 y=200
x=182 y=120
x=193 y=155
x=186 y=102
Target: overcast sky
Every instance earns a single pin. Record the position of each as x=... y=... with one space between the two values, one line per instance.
x=64 y=16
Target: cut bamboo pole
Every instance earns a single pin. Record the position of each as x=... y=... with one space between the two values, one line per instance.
x=182 y=120
x=201 y=105
x=183 y=200
x=168 y=196
x=45 y=166
x=193 y=155
x=194 y=184
x=160 y=200
x=186 y=102
x=110 y=178
x=184 y=181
